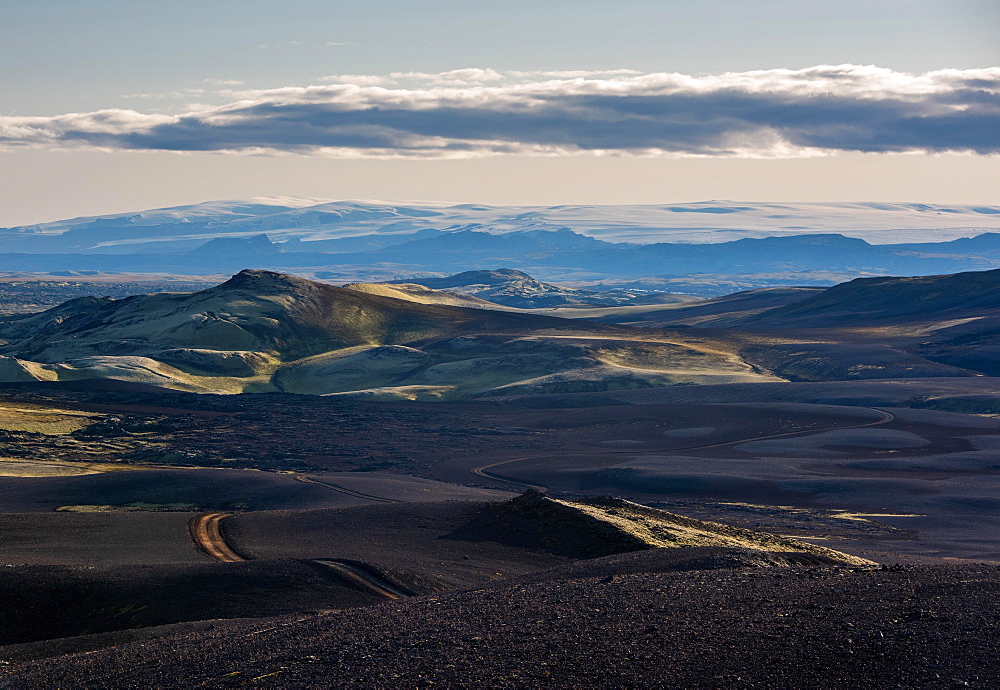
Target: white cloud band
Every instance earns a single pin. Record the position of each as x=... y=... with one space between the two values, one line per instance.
x=475 y=112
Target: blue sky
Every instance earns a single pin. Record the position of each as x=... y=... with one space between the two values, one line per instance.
x=185 y=60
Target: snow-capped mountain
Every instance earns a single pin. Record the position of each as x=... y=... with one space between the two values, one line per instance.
x=286 y=218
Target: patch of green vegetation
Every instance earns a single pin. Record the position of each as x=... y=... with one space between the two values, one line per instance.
x=116 y=617
x=71 y=609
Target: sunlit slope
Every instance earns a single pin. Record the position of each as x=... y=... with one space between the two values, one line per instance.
x=262 y=331
x=886 y=328
x=411 y=292
x=717 y=312
x=604 y=525
x=476 y=365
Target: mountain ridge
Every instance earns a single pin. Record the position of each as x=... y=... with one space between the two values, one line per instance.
x=699 y=221
x=245 y=306
x=883 y=299
x=715 y=243
x=261 y=331
x=546 y=253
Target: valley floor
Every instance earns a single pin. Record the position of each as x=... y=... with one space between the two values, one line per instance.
x=325 y=505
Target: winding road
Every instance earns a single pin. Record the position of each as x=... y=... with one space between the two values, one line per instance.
x=345 y=490
x=483 y=470
x=206 y=532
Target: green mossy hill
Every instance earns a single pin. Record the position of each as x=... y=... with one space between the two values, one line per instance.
x=255 y=310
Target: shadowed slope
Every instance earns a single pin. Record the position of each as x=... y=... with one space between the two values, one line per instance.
x=868 y=301
x=951 y=322
x=855 y=627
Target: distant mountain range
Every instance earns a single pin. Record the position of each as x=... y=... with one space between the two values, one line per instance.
x=313 y=220
x=586 y=243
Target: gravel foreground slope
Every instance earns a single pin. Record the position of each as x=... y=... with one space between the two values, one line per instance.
x=894 y=626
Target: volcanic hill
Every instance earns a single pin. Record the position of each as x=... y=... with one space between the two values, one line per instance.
x=950 y=320
x=886 y=299
x=262 y=331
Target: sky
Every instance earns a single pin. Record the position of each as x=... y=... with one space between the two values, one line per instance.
x=117 y=105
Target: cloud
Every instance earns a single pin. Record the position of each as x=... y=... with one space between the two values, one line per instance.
x=572 y=74
x=477 y=112
x=458 y=77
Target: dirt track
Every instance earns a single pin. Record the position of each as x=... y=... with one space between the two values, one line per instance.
x=344 y=489
x=206 y=531
x=365 y=577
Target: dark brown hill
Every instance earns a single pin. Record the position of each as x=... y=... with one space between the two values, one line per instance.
x=888 y=300
x=718 y=312
x=952 y=320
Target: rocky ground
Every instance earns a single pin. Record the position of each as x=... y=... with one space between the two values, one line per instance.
x=627 y=620
x=275 y=431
